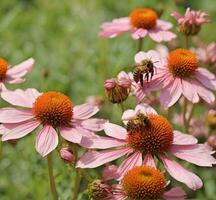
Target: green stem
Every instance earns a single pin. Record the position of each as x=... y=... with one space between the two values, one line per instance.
x=190 y=115
x=77 y=185
x=187 y=42
x=139 y=44
x=122 y=107
x=51 y=177
x=86 y=175
x=184 y=116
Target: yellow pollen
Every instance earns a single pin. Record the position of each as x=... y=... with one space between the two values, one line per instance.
x=144 y=182
x=143 y=18
x=3 y=68
x=151 y=134
x=182 y=63
x=53 y=108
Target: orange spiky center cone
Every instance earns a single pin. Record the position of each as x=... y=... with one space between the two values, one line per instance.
x=3 y=68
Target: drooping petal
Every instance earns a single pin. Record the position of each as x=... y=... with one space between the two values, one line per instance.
x=18 y=130
x=138 y=33
x=23 y=98
x=145 y=109
x=163 y=25
x=181 y=174
x=140 y=56
x=127 y=115
x=46 y=140
x=71 y=134
x=93 y=124
x=94 y=159
x=198 y=154
x=149 y=160
x=115 y=131
x=129 y=163
x=160 y=35
x=110 y=172
x=176 y=193
x=183 y=139
x=84 y=111
x=12 y=115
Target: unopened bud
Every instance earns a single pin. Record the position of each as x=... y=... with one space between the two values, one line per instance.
x=212 y=141
x=66 y=154
x=211 y=119
x=189 y=29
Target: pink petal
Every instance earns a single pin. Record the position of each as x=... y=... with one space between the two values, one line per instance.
x=101 y=142
x=13 y=80
x=163 y=25
x=2 y=87
x=140 y=56
x=24 y=98
x=84 y=111
x=46 y=140
x=129 y=163
x=115 y=131
x=181 y=174
x=94 y=159
x=197 y=154
x=110 y=172
x=12 y=115
x=127 y=115
x=149 y=160
x=21 y=69
x=93 y=124
x=71 y=134
x=18 y=130
x=171 y=93
x=176 y=193
x=139 y=33
x=183 y=139
x=145 y=109
x=159 y=35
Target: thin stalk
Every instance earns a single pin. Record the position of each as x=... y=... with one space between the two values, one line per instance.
x=86 y=175
x=190 y=115
x=51 y=177
x=77 y=185
x=139 y=44
x=186 y=42
x=184 y=115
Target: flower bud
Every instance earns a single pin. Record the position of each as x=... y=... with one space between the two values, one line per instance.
x=211 y=119
x=66 y=154
x=212 y=141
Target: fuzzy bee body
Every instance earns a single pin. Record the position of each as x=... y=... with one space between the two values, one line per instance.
x=145 y=68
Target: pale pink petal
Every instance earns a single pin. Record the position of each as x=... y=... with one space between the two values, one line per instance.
x=163 y=25
x=13 y=80
x=2 y=87
x=183 y=139
x=140 y=56
x=129 y=163
x=93 y=124
x=110 y=172
x=46 y=140
x=94 y=159
x=84 y=132
x=171 y=93
x=127 y=115
x=21 y=69
x=84 y=111
x=189 y=91
x=18 y=130
x=149 y=160
x=139 y=33
x=181 y=174
x=197 y=154
x=160 y=35
x=176 y=193
x=24 y=98
x=71 y=134
x=101 y=142
x=145 y=109
x=115 y=131
x=206 y=73
x=12 y=115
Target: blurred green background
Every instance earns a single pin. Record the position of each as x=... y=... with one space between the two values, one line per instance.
x=62 y=36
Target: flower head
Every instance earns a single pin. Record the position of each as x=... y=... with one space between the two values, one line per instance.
x=191 y=22
x=141 y=22
x=54 y=111
x=147 y=135
x=14 y=75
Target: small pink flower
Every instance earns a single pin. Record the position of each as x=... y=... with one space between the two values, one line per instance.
x=148 y=134
x=181 y=75
x=14 y=74
x=54 y=111
x=141 y=22
x=191 y=22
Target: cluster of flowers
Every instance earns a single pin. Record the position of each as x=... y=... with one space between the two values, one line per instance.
x=148 y=139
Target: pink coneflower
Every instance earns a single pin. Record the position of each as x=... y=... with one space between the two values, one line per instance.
x=181 y=75
x=14 y=74
x=54 y=111
x=151 y=135
x=146 y=182
x=141 y=22
x=191 y=22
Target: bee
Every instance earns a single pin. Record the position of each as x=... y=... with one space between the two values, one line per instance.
x=145 y=68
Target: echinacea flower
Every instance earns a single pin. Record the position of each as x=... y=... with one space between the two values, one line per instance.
x=146 y=182
x=191 y=22
x=141 y=22
x=14 y=74
x=54 y=111
x=150 y=135
x=181 y=75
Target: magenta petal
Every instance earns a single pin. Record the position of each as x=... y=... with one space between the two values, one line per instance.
x=93 y=124
x=181 y=174
x=71 y=134
x=115 y=131
x=12 y=115
x=176 y=193
x=149 y=160
x=18 y=130
x=46 y=140
x=198 y=154
x=183 y=139
x=94 y=159
x=84 y=111
x=129 y=163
